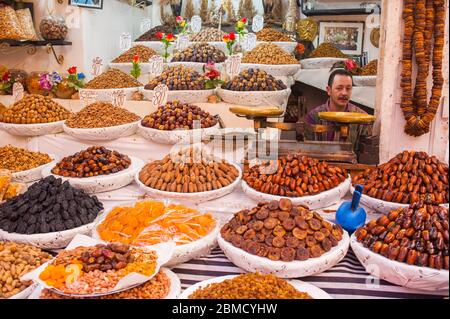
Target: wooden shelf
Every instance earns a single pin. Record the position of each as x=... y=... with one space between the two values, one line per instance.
x=334 y=12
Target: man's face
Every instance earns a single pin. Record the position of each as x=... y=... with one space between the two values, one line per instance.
x=340 y=91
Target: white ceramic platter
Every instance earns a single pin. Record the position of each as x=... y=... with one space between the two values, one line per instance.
x=33 y=174
x=185 y=96
x=255 y=98
x=103 y=133
x=319 y=63
x=32 y=129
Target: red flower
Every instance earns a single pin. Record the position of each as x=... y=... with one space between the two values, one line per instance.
x=6 y=77
x=350 y=65
x=159 y=35
x=170 y=37
x=72 y=70
x=300 y=48
x=179 y=19
x=136 y=59
x=232 y=36
x=226 y=37
x=212 y=74
x=244 y=20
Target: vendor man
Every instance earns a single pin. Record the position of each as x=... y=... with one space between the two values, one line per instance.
x=339 y=90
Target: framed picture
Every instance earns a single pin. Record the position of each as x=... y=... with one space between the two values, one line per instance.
x=93 y=4
x=346 y=36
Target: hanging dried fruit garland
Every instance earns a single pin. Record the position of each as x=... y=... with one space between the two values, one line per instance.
x=423 y=19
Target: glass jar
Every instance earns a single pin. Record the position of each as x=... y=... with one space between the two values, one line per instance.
x=32 y=84
x=63 y=90
x=53 y=28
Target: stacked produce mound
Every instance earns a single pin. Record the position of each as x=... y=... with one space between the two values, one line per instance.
x=417 y=235
x=149 y=223
x=101 y=114
x=8 y=189
x=407 y=178
x=267 y=53
x=200 y=52
x=94 y=161
x=207 y=35
x=48 y=206
x=327 y=50
x=16 y=260
x=144 y=53
x=179 y=77
x=188 y=171
x=250 y=286
x=294 y=176
x=34 y=109
x=370 y=68
x=150 y=35
x=17 y=159
x=156 y=288
x=113 y=79
x=281 y=231
x=272 y=35
x=176 y=115
x=254 y=80
x=98 y=269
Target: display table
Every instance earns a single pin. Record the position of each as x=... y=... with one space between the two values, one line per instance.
x=318 y=78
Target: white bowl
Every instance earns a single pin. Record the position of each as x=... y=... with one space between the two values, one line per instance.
x=369 y=80
x=174 y=290
x=321 y=200
x=33 y=174
x=255 y=98
x=381 y=206
x=103 y=133
x=274 y=69
x=185 y=96
x=105 y=95
x=282 y=269
x=196 y=66
x=104 y=183
x=402 y=274
x=313 y=291
x=198 y=197
x=319 y=63
x=32 y=129
x=176 y=136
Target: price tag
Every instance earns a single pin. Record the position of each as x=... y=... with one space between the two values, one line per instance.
x=156 y=65
x=196 y=24
x=160 y=94
x=182 y=42
x=146 y=24
x=18 y=91
x=88 y=96
x=125 y=41
x=257 y=23
x=249 y=42
x=118 y=97
x=97 y=63
x=233 y=65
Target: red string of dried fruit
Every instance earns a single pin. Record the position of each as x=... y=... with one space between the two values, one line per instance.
x=423 y=19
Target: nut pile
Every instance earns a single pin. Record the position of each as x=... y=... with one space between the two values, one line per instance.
x=417 y=235
x=370 y=68
x=176 y=115
x=150 y=35
x=327 y=50
x=53 y=29
x=113 y=79
x=179 y=77
x=200 y=52
x=188 y=171
x=407 y=178
x=94 y=161
x=15 y=261
x=101 y=114
x=254 y=80
x=149 y=223
x=48 y=206
x=250 y=286
x=144 y=53
x=272 y=35
x=156 y=288
x=18 y=159
x=278 y=230
x=34 y=109
x=207 y=35
x=267 y=53
x=294 y=176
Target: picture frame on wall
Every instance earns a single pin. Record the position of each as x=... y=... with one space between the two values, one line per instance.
x=346 y=36
x=92 y=4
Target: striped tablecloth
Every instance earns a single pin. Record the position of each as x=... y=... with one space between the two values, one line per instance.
x=347 y=280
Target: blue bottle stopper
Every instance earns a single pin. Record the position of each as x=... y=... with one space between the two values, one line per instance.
x=349 y=215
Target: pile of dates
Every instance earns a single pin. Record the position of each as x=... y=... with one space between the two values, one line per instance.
x=417 y=235
x=106 y=257
x=278 y=230
x=294 y=176
x=254 y=80
x=179 y=78
x=200 y=52
x=407 y=178
x=94 y=161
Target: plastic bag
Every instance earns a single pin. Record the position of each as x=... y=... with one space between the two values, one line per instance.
x=26 y=24
x=53 y=28
x=9 y=24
